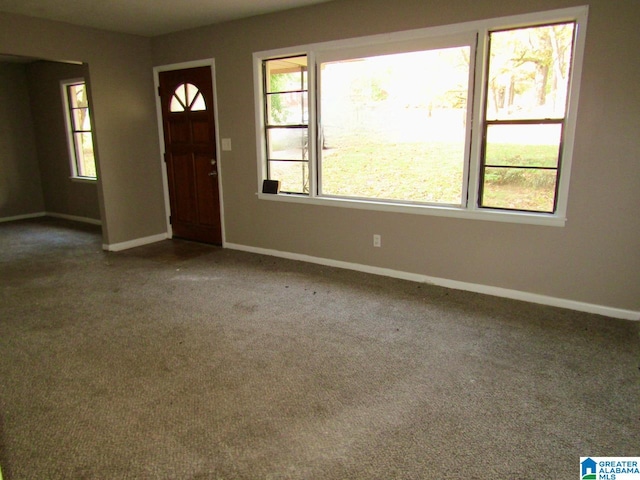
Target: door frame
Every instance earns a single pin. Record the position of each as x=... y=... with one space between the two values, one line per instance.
x=210 y=62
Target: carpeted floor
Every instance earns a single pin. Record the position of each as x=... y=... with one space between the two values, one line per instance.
x=185 y=361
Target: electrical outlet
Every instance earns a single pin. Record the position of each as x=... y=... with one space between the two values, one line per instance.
x=377 y=240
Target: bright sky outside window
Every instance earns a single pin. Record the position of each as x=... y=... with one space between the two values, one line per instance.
x=79 y=130
x=187 y=97
x=394 y=126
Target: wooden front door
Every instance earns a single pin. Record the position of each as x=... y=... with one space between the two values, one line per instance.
x=190 y=154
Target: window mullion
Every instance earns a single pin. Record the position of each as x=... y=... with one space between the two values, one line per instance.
x=480 y=73
x=314 y=148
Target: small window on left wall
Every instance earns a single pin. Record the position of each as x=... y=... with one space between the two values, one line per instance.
x=79 y=131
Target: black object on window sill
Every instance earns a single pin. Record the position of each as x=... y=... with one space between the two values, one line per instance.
x=271 y=186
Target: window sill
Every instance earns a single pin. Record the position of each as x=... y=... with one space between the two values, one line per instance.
x=83 y=179
x=445 y=211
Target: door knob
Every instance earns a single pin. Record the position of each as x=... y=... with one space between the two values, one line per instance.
x=213 y=174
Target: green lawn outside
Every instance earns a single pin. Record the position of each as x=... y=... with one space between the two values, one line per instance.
x=419 y=172
x=432 y=173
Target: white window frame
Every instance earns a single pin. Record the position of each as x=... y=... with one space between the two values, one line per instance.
x=71 y=143
x=481 y=30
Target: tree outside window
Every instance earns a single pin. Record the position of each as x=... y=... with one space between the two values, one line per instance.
x=527 y=88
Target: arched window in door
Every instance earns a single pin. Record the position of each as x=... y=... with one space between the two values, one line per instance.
x=187 y=98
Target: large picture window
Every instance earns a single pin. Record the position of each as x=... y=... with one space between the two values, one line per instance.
x=394 y=126
x=473 y=120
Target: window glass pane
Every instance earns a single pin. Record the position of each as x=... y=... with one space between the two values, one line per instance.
x=287 y=144
x=81 y=120
x=181 y=93
x=176 y=105
x=529 y=72
x=187 y=97
x=286 y=74
x=77 y=96
x=523 y=145
x=287 y=108
x=519 y=189
x=86 y=165
x=413 y=172
x=394 y=126
x=293 y=176
x=198 y=104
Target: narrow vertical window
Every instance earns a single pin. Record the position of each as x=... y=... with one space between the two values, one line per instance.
x=79 y=130
x=525 y=115
x=286 y=107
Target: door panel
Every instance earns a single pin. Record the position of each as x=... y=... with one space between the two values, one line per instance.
x=178 y=131
x=182 y=181
x=200 y=132
x=190 y=154
x=206 y=203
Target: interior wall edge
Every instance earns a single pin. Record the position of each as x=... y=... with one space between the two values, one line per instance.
x=137 y=242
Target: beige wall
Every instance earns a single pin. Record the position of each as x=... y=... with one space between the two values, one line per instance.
x=20 y=187
x=121 y=76
x=593 y=259
x=61 y=194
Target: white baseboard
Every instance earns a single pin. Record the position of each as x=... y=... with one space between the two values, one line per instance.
x=454 y=284
x=22 y=217
x=138 y=242
x=74 y=218
x=63 y=216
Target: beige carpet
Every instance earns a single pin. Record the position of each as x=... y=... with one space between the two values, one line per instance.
x=186 y=361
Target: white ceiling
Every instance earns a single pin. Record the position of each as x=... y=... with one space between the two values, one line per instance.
x=147 y=17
